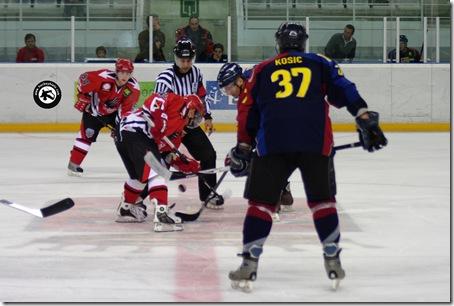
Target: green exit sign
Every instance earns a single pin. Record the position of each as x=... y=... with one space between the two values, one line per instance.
x=189 y=8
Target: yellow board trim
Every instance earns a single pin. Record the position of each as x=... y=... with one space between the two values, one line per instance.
x=223 y=127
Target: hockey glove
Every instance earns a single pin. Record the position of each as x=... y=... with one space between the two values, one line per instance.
x=186 y=165
x=239 y=159
x=83 y=103
x=370 y=134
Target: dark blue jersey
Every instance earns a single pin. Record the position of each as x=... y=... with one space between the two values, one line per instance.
x=287 y=102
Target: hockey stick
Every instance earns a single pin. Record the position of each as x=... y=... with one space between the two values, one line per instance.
x=177 y=175
x=195 y=216
x=348 y=146
x=44 y=212
x=151 y=160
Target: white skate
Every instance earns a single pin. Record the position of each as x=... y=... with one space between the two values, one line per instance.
x=131 y=213
x=75 y=170
x=243 y=277
x=215 y=201
x=164 y=219
x=333 y=265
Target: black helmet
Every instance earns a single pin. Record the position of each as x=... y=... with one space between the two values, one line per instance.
x=184 y=48
x=403 y=39
x=228 y=74
x=291 y=35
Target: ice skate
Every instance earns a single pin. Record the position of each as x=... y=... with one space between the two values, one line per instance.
x=333 y=265
x=131 y=213
x=286 y=200
x=243 y=277
x=164 y=219
x=74 y=170
x=216 y=201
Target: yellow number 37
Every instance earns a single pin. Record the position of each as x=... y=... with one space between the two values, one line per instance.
x=286 y=79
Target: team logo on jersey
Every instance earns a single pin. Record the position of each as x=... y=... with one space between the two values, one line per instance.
x=47 y=94
x=106 y=86
x=126 y=92
x=89 y=133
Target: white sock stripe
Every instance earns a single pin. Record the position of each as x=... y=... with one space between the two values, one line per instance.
x=333 y=236
x=81 y=145
x=321 y=206
x=156 y=181
x=135 y=184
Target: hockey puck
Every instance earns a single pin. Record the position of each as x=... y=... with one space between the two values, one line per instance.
x=182 y=188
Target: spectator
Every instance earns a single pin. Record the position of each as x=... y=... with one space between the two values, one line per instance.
x=218 y=55
x=101 y=52
x=159 y=40
x=342 y=46
x=74 y=8
x=199 y=36
x=30 y=53
x=407 y=55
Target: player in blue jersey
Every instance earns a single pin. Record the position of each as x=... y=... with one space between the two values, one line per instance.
x=232 y=80
x=285 y=116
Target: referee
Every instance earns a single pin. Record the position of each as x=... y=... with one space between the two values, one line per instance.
x=183 y=78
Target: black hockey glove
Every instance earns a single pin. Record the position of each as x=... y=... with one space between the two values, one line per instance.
x=239 y=159
x=370 y=134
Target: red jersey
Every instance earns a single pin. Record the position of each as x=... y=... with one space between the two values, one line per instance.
x=30 y=55
x=171 y=105
x=106 y=97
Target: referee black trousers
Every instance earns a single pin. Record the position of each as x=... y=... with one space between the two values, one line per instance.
x=200 y=147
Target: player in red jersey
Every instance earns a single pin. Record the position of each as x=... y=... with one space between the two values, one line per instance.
x=141 y=132
x=103 y=97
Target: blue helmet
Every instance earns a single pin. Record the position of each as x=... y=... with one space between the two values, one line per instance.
x=228 y=74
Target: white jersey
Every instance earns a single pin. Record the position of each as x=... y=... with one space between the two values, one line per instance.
x=141 y=119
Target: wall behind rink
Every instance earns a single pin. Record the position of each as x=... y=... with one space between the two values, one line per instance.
x=407 y=96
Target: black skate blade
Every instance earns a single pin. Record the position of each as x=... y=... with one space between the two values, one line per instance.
x=56 y=208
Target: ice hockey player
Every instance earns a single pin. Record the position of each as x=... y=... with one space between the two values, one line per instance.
x=141 y=132
x=103 y=96
x=286 y=105
x=232 y=80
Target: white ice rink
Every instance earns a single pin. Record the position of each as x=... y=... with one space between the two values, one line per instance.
x=394 y=208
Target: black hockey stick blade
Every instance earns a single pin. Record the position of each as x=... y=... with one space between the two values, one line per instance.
x=195 y=216
x=189 y=217
x=57 y=208
x=44 y=212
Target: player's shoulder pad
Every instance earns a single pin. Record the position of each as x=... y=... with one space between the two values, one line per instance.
x=248 y=72
x=318 y=57
x=134 y=83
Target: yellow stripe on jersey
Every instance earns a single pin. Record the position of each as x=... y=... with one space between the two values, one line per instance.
x=325 y=57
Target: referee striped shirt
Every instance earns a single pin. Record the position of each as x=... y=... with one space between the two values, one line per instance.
x=171 y=80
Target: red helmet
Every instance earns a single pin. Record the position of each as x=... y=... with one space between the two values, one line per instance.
x=124 y=64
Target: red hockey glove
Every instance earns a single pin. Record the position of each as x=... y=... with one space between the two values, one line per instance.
x=83 y=103
x=188 y=166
